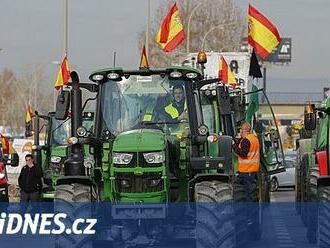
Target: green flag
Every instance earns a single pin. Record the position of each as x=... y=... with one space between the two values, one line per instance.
x=253 y=105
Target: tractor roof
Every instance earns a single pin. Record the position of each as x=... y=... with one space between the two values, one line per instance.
x=103 y=73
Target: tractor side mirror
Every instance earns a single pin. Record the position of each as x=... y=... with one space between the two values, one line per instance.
x=12 y=160
x=310 y=121
x=62 y=105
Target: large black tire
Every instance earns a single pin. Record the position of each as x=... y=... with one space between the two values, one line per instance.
x=241 y=229
x=74 y=200
x=304 y=188
x=324 y=217
x=214 y=213
x=301 y=167
x=312 y=205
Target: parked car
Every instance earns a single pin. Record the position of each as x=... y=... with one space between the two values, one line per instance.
x=287 y=178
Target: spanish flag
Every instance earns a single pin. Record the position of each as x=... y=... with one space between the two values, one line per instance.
x=28 y=121
x=262 y=34
x=7 y=147
x=4 y=144
x=63 y=75
x=171 y=32
x=225 y=73
x=144 y=59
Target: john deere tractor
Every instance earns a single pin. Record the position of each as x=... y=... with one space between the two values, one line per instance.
x=313 y=173
x=54 y=149
x=144 y=154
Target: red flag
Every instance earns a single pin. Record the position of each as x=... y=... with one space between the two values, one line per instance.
x=5 y=144
x=262 y=34
x=225 y=73
x=171 y=32
x=63 y=75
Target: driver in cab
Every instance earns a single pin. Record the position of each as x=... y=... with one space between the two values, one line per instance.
x=176 y=110
x=171 y=112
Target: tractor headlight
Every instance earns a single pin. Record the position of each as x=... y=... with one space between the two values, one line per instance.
x=89 y=163
x=154 y=157
x=55 y=159
x=122 y=158
x=97 y=77
x=113 y=75
x=191 y=75
x=2 y=175
x=202 y=130
x=81 y=131
x=175 y=74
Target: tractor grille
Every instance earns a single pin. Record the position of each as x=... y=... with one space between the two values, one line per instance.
x=146 y=183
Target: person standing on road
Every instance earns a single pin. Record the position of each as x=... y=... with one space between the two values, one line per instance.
x=247 y=148
x=30 y=180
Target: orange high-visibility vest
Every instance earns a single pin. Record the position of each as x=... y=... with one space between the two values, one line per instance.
x=251 y=163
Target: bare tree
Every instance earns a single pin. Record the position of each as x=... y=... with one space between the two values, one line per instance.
x=218 y=24
x=17 y=92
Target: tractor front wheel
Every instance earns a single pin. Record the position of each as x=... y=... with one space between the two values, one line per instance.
x=214 y=213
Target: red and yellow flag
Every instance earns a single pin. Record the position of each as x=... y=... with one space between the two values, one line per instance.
x=225 y=73
x=262 y=34
x=28 y=121
x=63 y=75
x=144 y=59
x=171 y=32
x=28 y=116
x=4 y=144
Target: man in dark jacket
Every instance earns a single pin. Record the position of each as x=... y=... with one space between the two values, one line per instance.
x=30 y=181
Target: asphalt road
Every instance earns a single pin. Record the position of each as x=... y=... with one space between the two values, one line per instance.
x=282 y=226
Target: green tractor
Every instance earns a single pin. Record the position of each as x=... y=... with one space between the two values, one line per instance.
x=313 y=174
x=145 y=152
x=54 y=149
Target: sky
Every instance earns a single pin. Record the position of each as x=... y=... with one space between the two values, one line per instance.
x=32 y=34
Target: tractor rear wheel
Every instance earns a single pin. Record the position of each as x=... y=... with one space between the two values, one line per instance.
x=214 y=213
x=312 y=205
x=324 y=216
x=74 y=200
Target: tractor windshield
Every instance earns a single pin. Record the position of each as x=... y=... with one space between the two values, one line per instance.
x=143 y=101
x=61 y=131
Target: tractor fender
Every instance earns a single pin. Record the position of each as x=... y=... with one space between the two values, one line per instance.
x=86 y=180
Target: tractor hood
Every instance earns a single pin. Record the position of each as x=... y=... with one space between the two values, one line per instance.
x=140 y=140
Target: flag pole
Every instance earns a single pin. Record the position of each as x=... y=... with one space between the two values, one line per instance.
x=148 y=27
x=66 y=7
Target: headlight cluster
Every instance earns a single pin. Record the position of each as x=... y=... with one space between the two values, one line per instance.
x=56 y=164
x=55 y=159
x=122 y=158
x=154 y=157
x=150 y=157
x=2 y=175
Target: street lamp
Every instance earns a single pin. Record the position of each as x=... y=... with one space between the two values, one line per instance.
x=220 y=26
